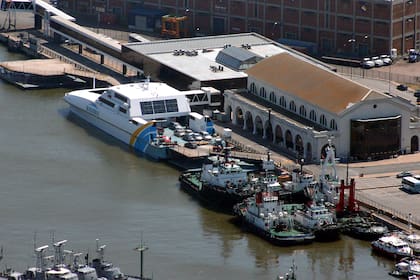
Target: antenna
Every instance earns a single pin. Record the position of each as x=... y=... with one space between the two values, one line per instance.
x=141 y=248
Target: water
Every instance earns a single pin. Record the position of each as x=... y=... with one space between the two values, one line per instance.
x=62 y=179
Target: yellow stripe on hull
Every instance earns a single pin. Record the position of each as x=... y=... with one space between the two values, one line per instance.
x=138 y=131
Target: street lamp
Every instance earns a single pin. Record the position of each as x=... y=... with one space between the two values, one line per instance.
x=274 y=26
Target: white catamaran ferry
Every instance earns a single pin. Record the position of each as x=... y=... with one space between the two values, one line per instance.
x=130 y=112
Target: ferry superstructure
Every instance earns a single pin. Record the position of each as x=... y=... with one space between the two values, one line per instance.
x=130 y=112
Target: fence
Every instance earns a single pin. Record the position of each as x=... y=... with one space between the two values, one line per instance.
x=378 y=74
x=386 y=209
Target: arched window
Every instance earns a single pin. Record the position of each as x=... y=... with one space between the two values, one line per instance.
x=253 y=88
x=273 y=97
x=263 y=93
x=333 y=124
x=323 y=120
x=302 y=111
x=283 y=102
x=292 y=106
x=312 y=116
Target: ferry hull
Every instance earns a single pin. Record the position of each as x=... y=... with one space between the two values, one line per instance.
x=145 y=148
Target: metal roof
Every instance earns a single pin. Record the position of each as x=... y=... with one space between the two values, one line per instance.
x=198 y=43
x=236 y=58
x=196 y=57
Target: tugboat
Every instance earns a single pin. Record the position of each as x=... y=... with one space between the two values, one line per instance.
x=319 y=219
x=267 y=215
x=220 y=184
x=362 y=226
x=300 y=183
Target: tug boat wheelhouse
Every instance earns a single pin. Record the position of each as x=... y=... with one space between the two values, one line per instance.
x=319 y=219
x=130 y=112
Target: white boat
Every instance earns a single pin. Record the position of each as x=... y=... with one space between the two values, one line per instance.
x=319 y=219
x=392 y=246
x=131 y=112
x=300 y=182
x=407 y=266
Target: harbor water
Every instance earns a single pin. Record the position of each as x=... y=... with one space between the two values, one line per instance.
x=62 y=179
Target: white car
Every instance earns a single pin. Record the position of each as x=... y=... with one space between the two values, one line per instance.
x=386 y=59
x=367 y=63
x=206 y=136
x=378 y=62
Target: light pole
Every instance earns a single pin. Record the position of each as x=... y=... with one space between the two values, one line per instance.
x=389 y=79
x=274 y=26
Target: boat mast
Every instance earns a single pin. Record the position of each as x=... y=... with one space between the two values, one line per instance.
x=141 y=248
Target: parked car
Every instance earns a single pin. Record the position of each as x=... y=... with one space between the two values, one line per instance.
x=174 y=125
x=179 y=132
x=403 y=174
x=190 y=145
x=367 y=63
x=378 y=62
x=402 y=87
x=188 y=137
x=206 y=136
x=413 y=56
x=197 y=136
x=386 y=59
x=417 y=93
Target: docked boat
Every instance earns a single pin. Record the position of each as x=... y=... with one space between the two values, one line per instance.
x=412 y=238
x=317 y=218
x=362 y=227
x=300 y=182
x=66 y=265
x=391 y=246
x=408 y=266
x=130 y=113
x=269 y=217
x=220 y=184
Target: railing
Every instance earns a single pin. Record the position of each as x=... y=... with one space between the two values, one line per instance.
x=53 y=54
x=378 y=75
x=386 y=209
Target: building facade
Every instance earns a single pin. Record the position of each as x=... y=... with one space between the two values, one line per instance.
x=351 y=28
x=299 y=106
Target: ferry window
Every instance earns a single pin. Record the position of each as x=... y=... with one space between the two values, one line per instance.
x=107 y=102
x=120 y=97
x=146 y=108
x=171 y=105
x=158 y=106
x=123 y=110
